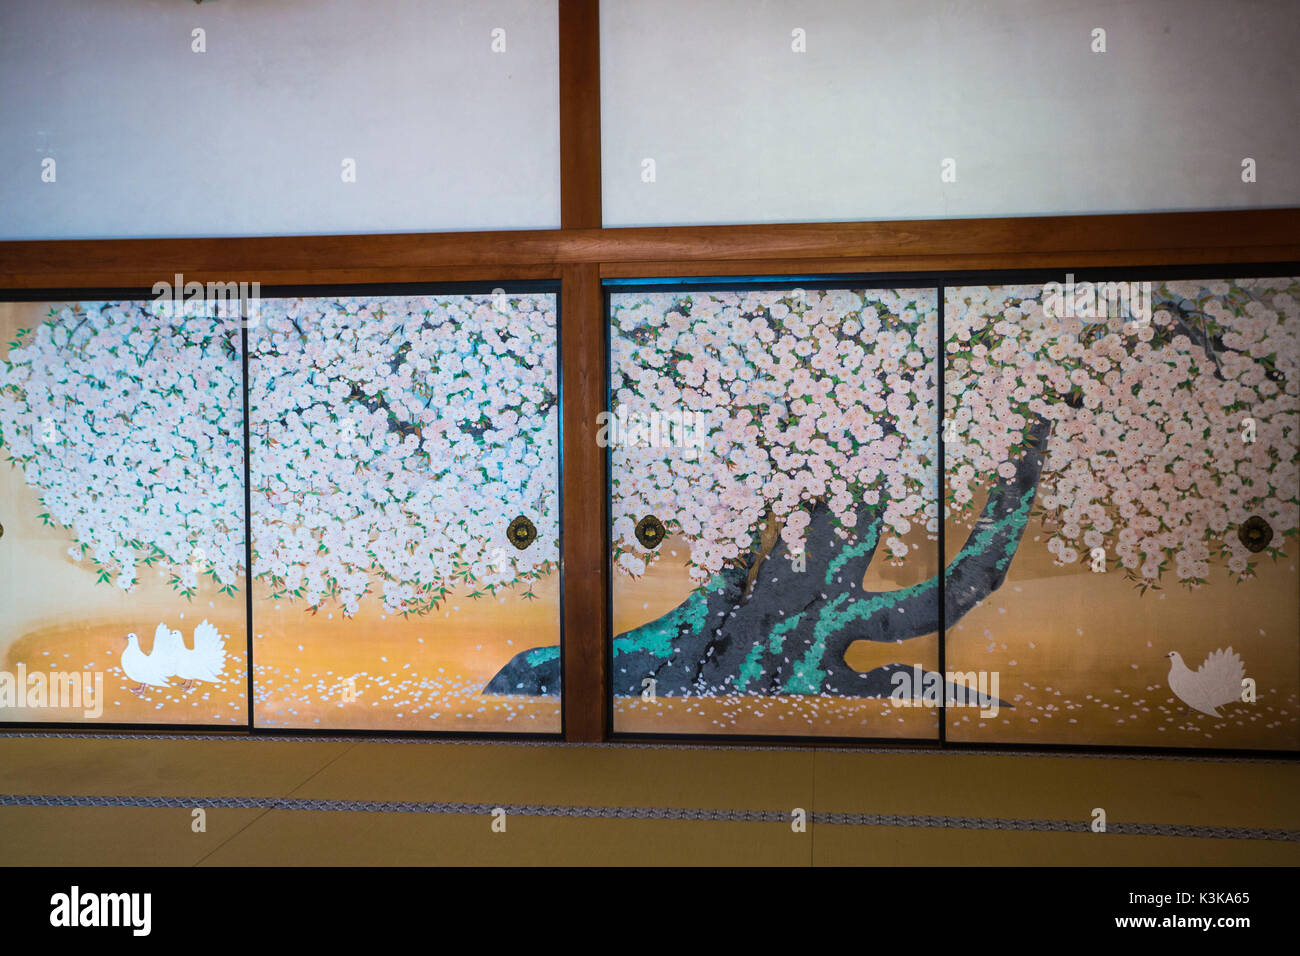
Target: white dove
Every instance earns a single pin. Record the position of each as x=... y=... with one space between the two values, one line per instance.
x=204 y=662
x=153 y=668
x=1215 y=683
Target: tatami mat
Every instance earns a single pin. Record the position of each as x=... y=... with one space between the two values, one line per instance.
x=630 y=783
x=112 y=836
x=1209 y=793
x=584 y=776
x=315 y=839
x=915 y=846
x=160 y=767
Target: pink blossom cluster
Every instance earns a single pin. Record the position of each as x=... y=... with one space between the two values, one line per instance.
x=1160 y=446
x=394 y=439
x=130 y=427
x=809 y=395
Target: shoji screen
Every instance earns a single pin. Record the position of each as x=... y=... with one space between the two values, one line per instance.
x=122 y=553
x=773 y=475
x=1121 y=466
x=405 y=511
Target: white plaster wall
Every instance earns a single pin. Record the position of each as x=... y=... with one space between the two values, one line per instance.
x=152 y=139
x=743 y=129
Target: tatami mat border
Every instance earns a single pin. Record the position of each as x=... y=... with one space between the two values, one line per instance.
x=647 y=813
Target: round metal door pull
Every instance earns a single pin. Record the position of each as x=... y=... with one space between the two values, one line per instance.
x=521 y=532
x=1255 y=533
x=650 y=532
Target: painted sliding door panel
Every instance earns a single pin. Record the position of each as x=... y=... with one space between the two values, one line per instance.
x=405 y=511
x=773 y=479
x=122 y=551
x=1131 y=451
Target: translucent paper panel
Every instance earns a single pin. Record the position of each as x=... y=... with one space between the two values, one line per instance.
x=730 y=111
x=405 y=518
x=774 y=486
x=1121 y=471
x=367 y=118
x=122 y=554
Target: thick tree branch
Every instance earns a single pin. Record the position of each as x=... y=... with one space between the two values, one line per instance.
x=788 y=634
x=1189 y=320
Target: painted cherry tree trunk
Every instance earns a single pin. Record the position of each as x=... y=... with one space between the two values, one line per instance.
x=807 y=619
x=1151 y=440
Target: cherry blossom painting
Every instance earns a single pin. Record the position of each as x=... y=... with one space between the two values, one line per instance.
x=773 y=471
x=404 y=462
x=122 y=523
x=1119 y=464
x=1136 y=455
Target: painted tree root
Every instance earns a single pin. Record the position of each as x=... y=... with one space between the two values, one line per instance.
x=791 y=633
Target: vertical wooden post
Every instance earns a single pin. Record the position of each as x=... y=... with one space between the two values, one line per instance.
x=580 y=114
x=586 y=571
x=582 y=345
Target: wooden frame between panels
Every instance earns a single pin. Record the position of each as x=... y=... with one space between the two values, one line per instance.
x=928 y=245
x=582 y=253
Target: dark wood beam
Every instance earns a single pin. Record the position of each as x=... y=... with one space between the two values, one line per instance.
x=1259 y=235
x=582 y=345
x=580 y=114
x=585 y=515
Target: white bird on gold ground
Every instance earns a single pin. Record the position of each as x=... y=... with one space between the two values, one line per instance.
x=153 y=668
x=1215 y=683
x=204 y=662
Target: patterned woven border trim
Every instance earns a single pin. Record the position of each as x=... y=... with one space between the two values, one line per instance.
x=649 y=813
x=1059 y=826
x=488 y=741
